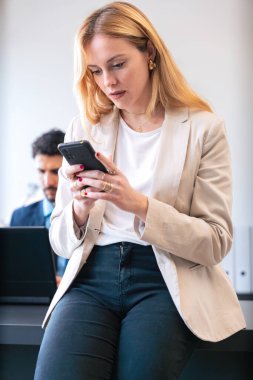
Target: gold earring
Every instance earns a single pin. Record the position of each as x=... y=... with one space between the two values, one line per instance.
x=151 y=65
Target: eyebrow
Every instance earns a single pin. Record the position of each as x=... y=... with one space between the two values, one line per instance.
x=49 y=170
x=111 y=59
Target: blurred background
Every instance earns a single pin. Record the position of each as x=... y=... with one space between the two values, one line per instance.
x=211 y=41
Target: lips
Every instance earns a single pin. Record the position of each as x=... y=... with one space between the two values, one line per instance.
x=117 y=94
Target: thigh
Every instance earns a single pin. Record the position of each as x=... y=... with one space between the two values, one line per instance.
x=154 y=342
x=80 y=340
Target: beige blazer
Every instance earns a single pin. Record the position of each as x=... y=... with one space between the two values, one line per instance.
x=188 y=220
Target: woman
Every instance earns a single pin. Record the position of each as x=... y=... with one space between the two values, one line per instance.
x=144 y=240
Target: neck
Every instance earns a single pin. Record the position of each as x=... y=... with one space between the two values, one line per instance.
x=140 y=122
x=133 y=113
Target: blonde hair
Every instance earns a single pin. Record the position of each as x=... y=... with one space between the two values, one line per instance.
x=124 y=20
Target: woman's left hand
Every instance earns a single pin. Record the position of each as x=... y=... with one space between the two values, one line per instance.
x=114 y=187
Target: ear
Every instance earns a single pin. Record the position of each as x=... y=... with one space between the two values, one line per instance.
x=151 y=50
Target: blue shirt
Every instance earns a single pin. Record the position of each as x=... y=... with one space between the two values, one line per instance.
x=47 y=211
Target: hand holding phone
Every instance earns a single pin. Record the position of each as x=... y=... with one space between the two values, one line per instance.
x=81 y=152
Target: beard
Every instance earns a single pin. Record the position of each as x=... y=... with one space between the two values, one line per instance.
x=50 y=193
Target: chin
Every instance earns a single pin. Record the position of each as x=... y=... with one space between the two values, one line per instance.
x=120 y=103
x=50 y=198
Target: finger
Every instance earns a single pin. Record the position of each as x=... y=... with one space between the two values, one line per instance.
x=70 y=171
x=96 y=174
x=77 y=184
x=107 y=188
x=81 y=196
x=110 y=166
x=98 y=184
x=84 y=182
x=82 y=193
x=98 y=195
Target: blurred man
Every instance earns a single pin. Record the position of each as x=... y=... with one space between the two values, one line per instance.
x=48 y=160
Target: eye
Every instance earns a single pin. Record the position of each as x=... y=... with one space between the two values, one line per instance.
x=118 y=65
x=95 y=72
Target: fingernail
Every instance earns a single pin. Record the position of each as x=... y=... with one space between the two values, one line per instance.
x=98 y=154
x=85 y=193
x=81 y=166
x=80 y=179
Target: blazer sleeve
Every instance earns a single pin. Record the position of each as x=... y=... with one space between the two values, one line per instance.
x=203 y=236
x=65 y=236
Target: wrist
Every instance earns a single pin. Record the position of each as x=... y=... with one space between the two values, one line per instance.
x=80 y=214
x=142 y=207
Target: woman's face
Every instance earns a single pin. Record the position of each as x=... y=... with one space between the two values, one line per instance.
x=121 y=71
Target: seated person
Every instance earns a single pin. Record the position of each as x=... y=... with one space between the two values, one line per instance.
x=48 y=160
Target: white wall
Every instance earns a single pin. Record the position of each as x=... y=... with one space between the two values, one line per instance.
x=211 y=41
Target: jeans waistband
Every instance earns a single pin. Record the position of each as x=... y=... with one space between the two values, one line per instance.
x=124 y=244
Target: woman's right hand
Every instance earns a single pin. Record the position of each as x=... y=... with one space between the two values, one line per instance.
x=81 y=205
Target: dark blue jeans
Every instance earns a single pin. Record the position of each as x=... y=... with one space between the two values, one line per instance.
x=116 y=322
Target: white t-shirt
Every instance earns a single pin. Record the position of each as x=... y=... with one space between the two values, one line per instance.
x=135 y=156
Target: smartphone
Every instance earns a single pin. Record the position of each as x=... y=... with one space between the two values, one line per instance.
x=81 y=152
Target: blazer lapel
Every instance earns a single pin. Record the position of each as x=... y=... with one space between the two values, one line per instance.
x=171 y=157
x=104 y=137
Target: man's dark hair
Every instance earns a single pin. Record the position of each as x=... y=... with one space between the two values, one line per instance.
x=48 y=142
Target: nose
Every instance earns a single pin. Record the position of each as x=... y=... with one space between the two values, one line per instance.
x=48 y=179
x=109 y=79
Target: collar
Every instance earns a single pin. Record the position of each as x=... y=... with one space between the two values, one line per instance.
x=47 y=207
